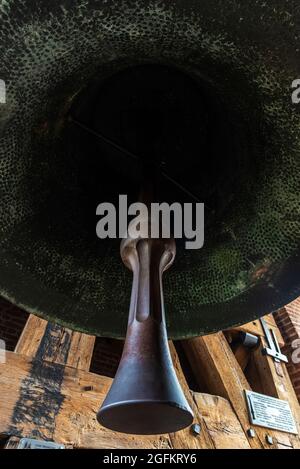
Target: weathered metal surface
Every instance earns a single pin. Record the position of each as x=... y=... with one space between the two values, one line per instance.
x=145 y=397
x=245 y=56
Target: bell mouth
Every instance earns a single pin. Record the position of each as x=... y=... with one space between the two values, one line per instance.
x=142 y=417
x=164 y=117
x=247 y=134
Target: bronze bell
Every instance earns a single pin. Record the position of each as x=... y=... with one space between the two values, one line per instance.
x=201 y=89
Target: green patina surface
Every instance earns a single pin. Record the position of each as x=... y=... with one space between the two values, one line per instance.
x=50 y=262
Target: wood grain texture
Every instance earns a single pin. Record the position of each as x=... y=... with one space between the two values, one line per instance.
x=214 y=363
x=31 y=336
x=273 y=379
x=185 y=438
x=75 y=424
x=48 y=393
x=55 y=344
x=221 y=422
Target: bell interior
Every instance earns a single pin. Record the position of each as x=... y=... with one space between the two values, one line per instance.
x=187 y=89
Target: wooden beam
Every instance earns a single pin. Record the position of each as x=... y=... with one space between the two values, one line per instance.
x=51 y=344
x=31 y=336
x=55 y=344
x=53 y=402
x=221 y=422
x=214 y=363
x=185 y=438
x=272 y=378
x=55 y=398
x=75 y=424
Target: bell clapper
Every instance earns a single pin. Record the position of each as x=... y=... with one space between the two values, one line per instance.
x=145 y=397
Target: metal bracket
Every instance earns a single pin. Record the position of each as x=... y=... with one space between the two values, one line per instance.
x=273 y=349
x=29 y=443
x=249 y=340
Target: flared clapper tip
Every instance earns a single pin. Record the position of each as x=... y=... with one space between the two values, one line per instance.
x=145 y=417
